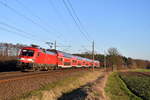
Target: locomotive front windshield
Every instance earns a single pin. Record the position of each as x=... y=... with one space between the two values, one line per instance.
x=26 y=52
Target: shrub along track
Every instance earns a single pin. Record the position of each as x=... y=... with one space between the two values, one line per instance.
x=15 y=84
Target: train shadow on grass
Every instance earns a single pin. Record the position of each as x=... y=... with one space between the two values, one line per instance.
x=8 y=66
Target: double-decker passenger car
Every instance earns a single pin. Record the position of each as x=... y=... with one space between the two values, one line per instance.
x=44 y=59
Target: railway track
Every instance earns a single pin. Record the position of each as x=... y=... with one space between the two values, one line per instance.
x=13 y=76
x=13 y=72
x=20 y=76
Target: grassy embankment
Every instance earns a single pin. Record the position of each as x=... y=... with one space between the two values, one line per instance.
x=116 y=89
x=54 y=90
x=139 y=84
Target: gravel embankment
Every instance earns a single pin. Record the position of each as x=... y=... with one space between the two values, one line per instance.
x=11 y=89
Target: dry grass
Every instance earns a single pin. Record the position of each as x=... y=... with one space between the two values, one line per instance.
x=55 y=90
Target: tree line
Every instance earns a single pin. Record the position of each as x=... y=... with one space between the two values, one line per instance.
x=9 y=49
x=115 y=60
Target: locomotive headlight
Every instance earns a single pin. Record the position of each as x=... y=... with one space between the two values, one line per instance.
x=30 y=60
x=21 y=59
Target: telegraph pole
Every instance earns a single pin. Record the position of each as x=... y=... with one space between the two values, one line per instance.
x=93 y=54
x=105 y=60
x=55 y=45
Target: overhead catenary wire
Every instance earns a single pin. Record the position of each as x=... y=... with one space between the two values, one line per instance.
x=16 y=33
x=45 y=24
x=34 y=15
x=76 y=23
x=25 y=17
x=78 y=19
x=58 y=13
x=60 y=17
x=26 y=34
x=80 y=22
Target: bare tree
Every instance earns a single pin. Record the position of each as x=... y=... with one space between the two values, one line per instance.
x=114 y=58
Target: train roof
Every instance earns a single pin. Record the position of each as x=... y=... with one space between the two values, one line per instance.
x=32 y=48
x=40 y=49
x=68 y=55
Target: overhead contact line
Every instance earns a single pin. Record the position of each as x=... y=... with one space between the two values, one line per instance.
x=25 y=17
x=36 y=16
x=17 y=33
x=78 y=19
x=76 y=23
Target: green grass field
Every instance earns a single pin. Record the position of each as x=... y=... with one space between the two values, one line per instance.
x=116 y=89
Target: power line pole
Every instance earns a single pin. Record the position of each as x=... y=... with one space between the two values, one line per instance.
x=93 y=54
x=105 y=60
x=55 y=45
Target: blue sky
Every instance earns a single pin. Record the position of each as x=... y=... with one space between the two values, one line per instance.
x=124 y=24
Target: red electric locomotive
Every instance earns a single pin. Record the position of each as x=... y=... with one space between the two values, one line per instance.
x=35 y=58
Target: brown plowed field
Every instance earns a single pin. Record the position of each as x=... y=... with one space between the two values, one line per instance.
x=137 y=73
x=15 y=84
